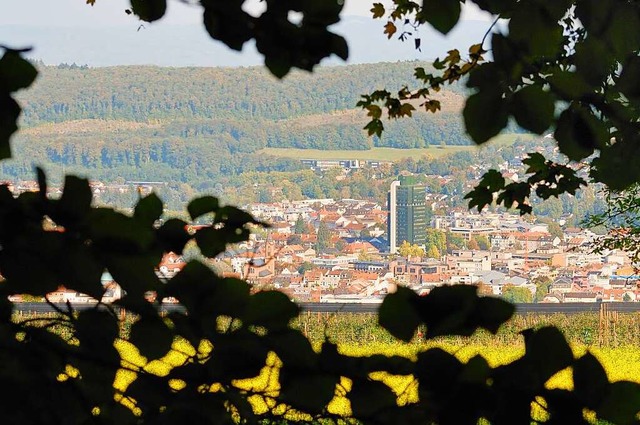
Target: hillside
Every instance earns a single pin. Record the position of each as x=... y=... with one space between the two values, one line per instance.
x=203 y=126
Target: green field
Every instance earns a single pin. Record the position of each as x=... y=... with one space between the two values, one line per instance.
x=385 y=154
x=379 y=154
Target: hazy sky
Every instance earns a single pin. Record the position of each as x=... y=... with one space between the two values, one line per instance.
x=111 y=12
x=70 y=31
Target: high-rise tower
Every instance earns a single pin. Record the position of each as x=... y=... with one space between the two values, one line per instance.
x=407 y=213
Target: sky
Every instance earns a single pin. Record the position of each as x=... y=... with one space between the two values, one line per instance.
x=111 y=12
x=70 y=31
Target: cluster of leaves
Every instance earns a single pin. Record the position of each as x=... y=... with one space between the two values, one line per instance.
x=546 y=178
x=284 y=42
x=568 y=67
x=620 y=221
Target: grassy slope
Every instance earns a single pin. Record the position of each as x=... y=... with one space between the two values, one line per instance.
x=383 y=154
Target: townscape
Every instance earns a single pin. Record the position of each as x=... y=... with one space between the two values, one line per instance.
x=328 y=250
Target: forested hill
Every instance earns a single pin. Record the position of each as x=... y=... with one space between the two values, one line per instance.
x=142 y=93
x=233 y=100
x=202 y=126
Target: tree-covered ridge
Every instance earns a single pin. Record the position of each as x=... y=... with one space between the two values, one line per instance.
x=142 y=93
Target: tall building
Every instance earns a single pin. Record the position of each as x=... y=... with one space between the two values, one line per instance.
x=407 y=213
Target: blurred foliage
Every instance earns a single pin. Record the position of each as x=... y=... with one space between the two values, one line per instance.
x=62 y=368
x=565 y=68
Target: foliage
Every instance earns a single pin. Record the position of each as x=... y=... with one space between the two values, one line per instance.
x=455 y=242
x=407 y=249
x=300 y=225
x=323 y=238
x=436 y=239
x=620 y=220
x=516 y=294
x=566 y=67
x=234 y=335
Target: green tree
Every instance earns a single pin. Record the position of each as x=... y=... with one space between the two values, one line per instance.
x=433 y=252
x=407 y=250
x=542 y=288
x=483 y=242
x=294 y=239
x=436 y=238
x=517 y=294
x=305 y=266
x=300 y=226
x=323 y=238
x=455 y=242
x=555 y=230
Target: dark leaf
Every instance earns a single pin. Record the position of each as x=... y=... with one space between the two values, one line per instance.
x=212 y=242
x=149 y=10
x=485 y=115
x=442 y=15
x=271 y=309
x=75 y=203
x=578 y=132
x=397 y=314
x=449 y=310
x=202 y=205
x=229 y=24
x=369 y=397
x=437 y=372
x=96 y=329
x=173 y=235
x=240 y=355
x=293 y=348
x=590 y=381
x=15 y=72
x=149 y=209
x=533 y=108
x=621 y=404
x=114 y=232
x=548 y=351
x=309 y=393
x=9 y=114
x=491 y=312
x=151 y=336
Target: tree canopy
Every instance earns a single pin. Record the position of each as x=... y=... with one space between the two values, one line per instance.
x=565 y=68
x=62 y=368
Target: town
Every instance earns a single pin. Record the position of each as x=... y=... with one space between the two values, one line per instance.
x=357 y=251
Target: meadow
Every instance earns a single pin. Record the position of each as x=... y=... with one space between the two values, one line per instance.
x=386 y=154
x=359 y=335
